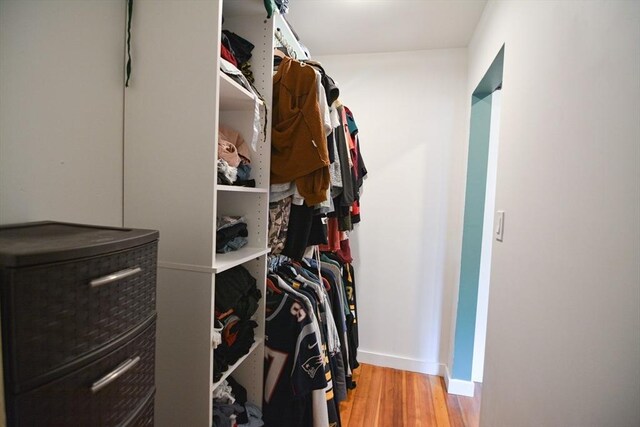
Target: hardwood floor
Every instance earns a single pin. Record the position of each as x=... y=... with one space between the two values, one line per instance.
x=386 y=397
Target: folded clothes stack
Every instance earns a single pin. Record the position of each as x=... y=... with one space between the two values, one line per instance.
x=234 y=160
x=237 y=339
x=231 y=233
x=236 y=51
x=231 y=408
x=236 y=300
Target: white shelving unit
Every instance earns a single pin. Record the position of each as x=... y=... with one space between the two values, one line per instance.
x=234 y=95
x=235 y=189
x=238 y=257
x=175 y=102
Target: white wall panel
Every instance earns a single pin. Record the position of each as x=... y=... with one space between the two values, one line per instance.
x=61 y=109
x=412 y=111
x=563 y=336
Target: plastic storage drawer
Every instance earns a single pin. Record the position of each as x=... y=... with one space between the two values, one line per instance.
x=104 y=393
x=145 y=417
x=54 y=314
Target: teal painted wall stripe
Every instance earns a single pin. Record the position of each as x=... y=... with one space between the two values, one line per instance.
x=464 y=338
x=472 y=237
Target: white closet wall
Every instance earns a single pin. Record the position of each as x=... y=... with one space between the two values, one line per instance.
x=563 y=335
x=61 y=103
x=412 y=113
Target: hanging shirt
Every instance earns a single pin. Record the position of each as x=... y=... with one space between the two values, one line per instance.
x=320 y=408
x=293 y=365
x=298 y=146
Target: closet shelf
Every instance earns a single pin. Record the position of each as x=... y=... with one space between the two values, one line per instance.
x=233 y=96
x=223 y=261
x=235 y=365
x=242 y=255
x=237 y=189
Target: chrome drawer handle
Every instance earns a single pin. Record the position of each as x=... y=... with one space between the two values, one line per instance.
x=113 y=375
x=114 y=277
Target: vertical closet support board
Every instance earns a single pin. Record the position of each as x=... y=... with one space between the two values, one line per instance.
x=170 y=127
x=184 y=360
x=173 y=107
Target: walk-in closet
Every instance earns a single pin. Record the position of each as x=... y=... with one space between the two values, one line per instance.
x=306 y=213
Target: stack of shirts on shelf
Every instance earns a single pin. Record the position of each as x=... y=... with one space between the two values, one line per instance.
x=236 y=50
x=231 y=408
x=234 y=160
x=236 y=300
x=235 y=55
x=231 y=233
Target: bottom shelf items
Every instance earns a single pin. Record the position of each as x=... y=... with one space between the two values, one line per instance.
x=233 y=367
x=232 y=405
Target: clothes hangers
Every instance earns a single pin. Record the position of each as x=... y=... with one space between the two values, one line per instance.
x=290 y=52
x=278 y=53
x=278 y=56
x=288 y=270
x=271 y=286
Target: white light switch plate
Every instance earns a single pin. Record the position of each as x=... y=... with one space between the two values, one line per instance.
x=499 y=225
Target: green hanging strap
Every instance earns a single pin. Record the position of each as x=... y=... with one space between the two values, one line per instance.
x=270 y=6
x=130 y=12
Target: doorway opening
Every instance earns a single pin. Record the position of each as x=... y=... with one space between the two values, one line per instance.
x=475 y=265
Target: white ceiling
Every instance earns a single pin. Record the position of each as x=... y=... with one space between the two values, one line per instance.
x=330 y=27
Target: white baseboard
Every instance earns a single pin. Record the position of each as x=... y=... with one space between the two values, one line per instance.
x=454 y=386
x=403 y=363
x=459 y=387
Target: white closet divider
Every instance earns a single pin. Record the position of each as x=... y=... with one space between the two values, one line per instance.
x=176 y=100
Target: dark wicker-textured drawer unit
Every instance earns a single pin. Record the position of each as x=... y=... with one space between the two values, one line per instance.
x=74 y=318
x=78 y=309
x=144 y=418
x=78 y=400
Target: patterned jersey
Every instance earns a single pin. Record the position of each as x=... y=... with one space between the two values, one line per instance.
x=293 y=364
